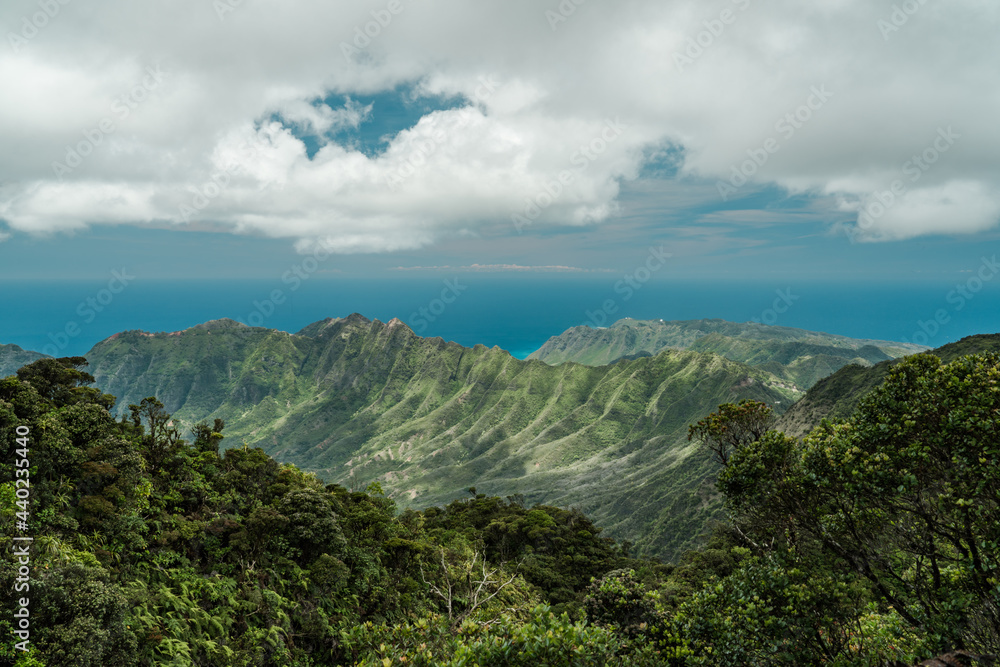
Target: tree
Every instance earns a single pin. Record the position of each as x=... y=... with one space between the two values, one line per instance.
x=160 y=438
x=732 y=427
x=466 y=584
x=312 y=527
x=905 y=494
x=207 y=438
x=82 y=618
x=61 y=382
x=620 y=600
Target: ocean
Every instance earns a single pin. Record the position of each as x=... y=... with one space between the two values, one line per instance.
x=516 y=312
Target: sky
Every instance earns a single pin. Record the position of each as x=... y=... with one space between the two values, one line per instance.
x=845 y=141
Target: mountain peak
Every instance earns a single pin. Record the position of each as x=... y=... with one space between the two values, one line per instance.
x=13 y=357
x=798 y=356
x=356 y=318
x=220 y=324
x=321 y=327
x=317 y=328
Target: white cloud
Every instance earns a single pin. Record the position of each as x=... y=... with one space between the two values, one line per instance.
x=499 y=268
x=539 y=97
x=955 y=207
x=319 y=118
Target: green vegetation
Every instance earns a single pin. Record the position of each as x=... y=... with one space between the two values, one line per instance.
x=799 y=357
x=837 y=396
x=874 y=540
x=358 y=402
x=13 y=357
x=152 y=550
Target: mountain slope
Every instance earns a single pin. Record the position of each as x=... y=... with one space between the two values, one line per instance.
x=13 y=357
x=801 y=363
x=798 y=356
x=836 y=397
x=359 y=401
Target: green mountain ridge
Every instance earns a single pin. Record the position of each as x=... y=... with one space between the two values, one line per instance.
x=13 y=357
x=836 y=396
x=148 y=549
x=358 y=401
x=798 y=356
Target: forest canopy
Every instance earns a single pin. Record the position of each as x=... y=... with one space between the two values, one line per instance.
x=873 y=540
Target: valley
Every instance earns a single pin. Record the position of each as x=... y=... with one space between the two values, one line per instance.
x=358 y=401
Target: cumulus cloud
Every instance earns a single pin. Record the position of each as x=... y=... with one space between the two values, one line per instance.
x=182 y=113
x=319 y=118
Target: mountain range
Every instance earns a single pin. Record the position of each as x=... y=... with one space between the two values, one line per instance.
x=13 y=357
x=360 y=401
x=796 y=355
x=836 y=396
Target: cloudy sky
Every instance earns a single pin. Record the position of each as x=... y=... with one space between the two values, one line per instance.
x=850 y=138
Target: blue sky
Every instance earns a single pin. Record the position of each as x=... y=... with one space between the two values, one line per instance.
x=746 y=140
x=794 y=242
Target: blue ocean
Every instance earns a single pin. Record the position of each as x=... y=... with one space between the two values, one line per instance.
x=516 y=312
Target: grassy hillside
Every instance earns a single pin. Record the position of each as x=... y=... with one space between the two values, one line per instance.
x=13 y=357
x=837 y=396
x=358 y=401
x=798 y=356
